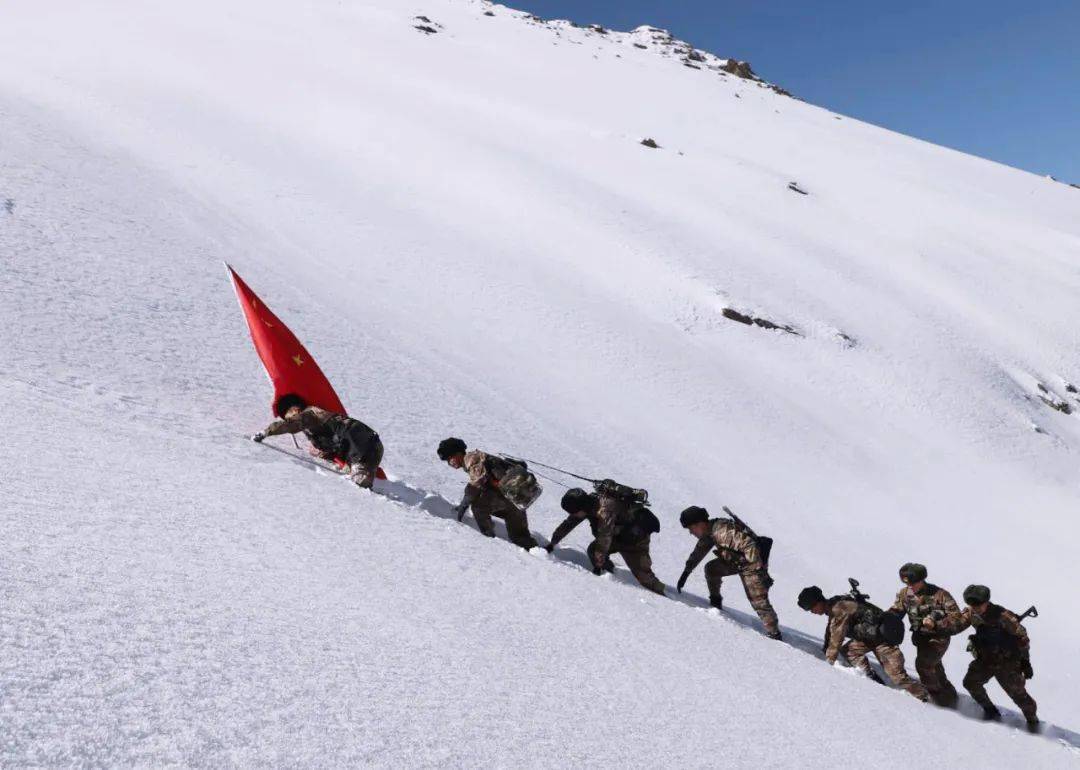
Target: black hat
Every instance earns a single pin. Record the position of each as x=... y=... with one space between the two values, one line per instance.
x=575 y=500
x=976 y=594
x=695 y=514
x=810 y=596
x=449 y=447
x=912 y=572
x=287 y=402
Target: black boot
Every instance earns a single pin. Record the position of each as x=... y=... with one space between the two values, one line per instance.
x=991 y=714
x=717 y=601
x=1033 y=723
x=775 y=635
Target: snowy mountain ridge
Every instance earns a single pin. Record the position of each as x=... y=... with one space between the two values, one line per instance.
x=862 y=343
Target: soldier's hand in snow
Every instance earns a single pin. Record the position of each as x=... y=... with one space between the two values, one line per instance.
x=258 y=437
x=460 y=510
x=682 y=581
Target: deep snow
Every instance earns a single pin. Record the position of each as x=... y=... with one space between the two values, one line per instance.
x=466 y=231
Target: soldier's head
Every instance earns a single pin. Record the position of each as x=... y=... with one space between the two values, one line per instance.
x=977 y=597
x=289 y=405
x=813 y=600
x=452 y=452
x=696 y=520
x=578 y=502
x=913 y=574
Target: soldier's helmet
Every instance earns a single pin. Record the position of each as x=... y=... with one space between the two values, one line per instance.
x=695 y=514
x=287 y=402
x=575 y=500
x=912 y=572
x=810 y=596
x=449 y=447
x=976 y=594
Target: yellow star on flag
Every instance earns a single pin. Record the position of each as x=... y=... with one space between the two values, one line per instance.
x=298 y=360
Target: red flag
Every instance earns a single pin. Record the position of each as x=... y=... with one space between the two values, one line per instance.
x=288 y=364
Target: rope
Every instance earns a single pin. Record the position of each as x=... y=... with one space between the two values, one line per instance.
x=558 y=470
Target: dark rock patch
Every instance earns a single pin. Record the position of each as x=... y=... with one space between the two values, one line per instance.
x=650 y=143
x=764 y=323
x=426 y=29
x=794 y=187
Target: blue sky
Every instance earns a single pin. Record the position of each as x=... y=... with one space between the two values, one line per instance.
x=995 y=79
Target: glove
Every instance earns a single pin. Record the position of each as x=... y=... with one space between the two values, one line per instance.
x=258 y=437
x=461 y=509
x=682 y=581
x=928 y=623
x=598 y=570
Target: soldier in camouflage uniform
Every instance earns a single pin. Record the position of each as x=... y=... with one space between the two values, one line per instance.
x=1001 y=649
x=335 y=437
x=843 y=612
x=482 y=492
x=931 y=611
x=616 y=529
x=737 y=554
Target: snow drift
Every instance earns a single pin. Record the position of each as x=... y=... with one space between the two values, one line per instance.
x=465 y=228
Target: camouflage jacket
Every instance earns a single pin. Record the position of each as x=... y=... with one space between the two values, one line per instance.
x=732 y=545
x=841 y=613
x=324 y=429
x=997 y=631
x=612 y=515
x=928 y=602
x=319 y=425
x=570 y=523
x=485 y=471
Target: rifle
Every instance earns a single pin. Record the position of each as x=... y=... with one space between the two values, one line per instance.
x=856 y=594
x=1030 y=612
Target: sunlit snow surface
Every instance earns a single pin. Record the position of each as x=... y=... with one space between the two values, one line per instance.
x=467 y=232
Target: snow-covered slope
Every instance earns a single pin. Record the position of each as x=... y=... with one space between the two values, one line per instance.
x=468 y=233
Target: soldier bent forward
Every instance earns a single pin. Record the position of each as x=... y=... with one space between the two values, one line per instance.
x=844 y=614
x=737 y=554
x=482 y=492
x=615 y=529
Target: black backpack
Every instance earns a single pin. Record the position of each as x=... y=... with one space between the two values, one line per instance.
x=871 y=624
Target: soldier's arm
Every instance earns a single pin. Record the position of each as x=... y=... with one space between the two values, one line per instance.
x=839 y=620
x=1012 y=625
x=306 y=419
x=955 y=625
x=947 y=604
x=564 y=529
x=701 y=550
x=899 y=607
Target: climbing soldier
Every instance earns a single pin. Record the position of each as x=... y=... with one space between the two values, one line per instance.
x=1000 y=645
x=333 y=436
x=852 y=617
x=620 y=522
x=497 y=487
x=931 y=611
x=737 y=553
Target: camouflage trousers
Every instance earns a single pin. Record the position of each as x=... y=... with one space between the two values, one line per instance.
x=1009 y=673
x=637 y=558
x=928 y=654
x=892 y=661
x=362 y=469
x=492 y=504
x=756 y=584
